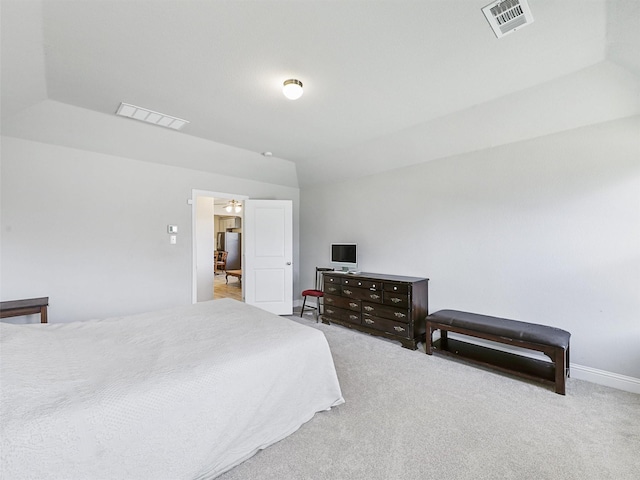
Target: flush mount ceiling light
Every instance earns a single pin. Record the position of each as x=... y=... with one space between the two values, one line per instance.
x=233 y=206
x=149 y=116
x=292 y=89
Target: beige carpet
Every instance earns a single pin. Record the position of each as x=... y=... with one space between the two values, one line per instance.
x=412 y=416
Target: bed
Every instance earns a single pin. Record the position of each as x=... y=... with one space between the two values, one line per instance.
x=185 y=393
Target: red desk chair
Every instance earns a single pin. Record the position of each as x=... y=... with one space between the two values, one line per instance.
x=315 y=292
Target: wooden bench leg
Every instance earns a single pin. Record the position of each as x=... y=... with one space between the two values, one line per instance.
x=428 y=344
x=444 y=337
x=561 y=370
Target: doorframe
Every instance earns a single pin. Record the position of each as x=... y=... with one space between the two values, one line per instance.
x=195 y=193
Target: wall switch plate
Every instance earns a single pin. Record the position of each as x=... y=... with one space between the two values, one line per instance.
x=172 y=229
x=173 y=239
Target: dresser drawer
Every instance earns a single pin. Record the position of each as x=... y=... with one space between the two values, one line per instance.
x=332 y=288
x=395 y=299
x=384 y=311
x=342 y=302
x=351 y=317
x=385 y=325
x=355 y=282
x=362 y=294
x=342 y=314
x=397 y=288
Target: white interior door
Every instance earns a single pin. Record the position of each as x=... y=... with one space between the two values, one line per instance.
x=268 y=255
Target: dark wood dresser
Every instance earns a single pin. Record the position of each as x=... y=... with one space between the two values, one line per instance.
x=390 y=306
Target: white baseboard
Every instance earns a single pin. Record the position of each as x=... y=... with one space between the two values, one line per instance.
x=608 y=379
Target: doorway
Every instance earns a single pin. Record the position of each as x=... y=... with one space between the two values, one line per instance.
x=211 y=217
x=266 y=274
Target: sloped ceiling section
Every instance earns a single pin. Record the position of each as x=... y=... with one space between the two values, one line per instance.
x=596 y=94
x=387 y=83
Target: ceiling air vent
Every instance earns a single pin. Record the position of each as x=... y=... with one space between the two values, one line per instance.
x=507 y=16
x=149 y=116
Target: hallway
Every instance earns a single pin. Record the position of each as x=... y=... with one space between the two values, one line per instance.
x=221 y=289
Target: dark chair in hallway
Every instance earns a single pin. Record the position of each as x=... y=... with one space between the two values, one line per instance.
x=220 y=262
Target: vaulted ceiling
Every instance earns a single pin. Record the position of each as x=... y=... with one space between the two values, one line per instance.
x=386 y=83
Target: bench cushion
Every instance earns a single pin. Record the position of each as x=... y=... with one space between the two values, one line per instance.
x=528 y=332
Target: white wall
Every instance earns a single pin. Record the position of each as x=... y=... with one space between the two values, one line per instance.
x=544 y=230
x=89 y=230
x=205 y=240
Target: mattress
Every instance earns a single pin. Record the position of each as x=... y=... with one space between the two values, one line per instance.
x=185 y=393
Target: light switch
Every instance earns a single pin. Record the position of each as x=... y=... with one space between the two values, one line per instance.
x=173 y=239
x=172 y=229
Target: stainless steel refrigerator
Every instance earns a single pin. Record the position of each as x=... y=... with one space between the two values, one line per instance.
x=230 y=243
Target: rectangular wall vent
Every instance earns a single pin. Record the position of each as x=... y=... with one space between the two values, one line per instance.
x=507 y=16
x=149 y=116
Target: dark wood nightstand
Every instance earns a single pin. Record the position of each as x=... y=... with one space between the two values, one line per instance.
x=30 y=306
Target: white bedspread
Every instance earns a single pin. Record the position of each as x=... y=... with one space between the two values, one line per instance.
x=185 y=393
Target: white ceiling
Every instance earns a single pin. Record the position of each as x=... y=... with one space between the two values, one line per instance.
x=376 y=73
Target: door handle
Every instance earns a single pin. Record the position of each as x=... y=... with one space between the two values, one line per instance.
x=288 y=263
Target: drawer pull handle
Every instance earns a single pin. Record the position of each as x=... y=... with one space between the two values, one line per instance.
x=332 y=289
x=368 y=308
x=374 y=296
x=353 y=305
x=328 y=300
x=359 y=284
x=399 y=315
x=395 y=288
x=396 y=300
x=328 y=310
x=348 y=292
x=398 y=329
x=368 y=320
x=353 y=317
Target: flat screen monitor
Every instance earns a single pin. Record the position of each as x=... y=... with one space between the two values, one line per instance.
x=344 y=255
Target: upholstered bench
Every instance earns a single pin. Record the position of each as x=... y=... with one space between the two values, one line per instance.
x=551 y=341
